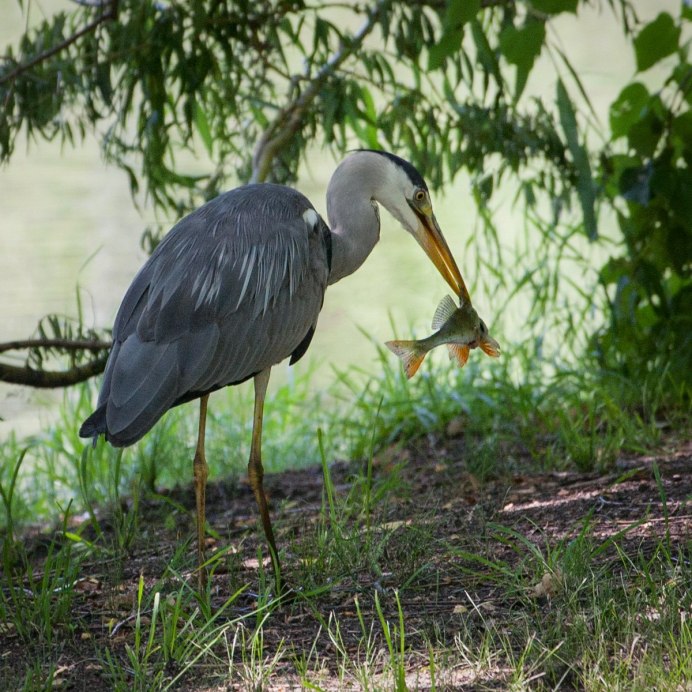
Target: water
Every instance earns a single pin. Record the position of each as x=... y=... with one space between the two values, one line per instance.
x=68 y=220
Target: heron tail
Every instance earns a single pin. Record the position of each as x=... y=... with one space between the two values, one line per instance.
x=95 y=424
x=411 y=353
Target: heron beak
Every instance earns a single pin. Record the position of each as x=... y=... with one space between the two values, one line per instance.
x=429 y=236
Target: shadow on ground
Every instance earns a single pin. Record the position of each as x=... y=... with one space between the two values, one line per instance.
x=462 y=553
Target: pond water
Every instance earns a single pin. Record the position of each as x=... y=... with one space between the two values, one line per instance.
x=67 y=221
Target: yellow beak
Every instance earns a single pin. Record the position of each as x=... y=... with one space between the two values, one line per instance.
x=429 y=236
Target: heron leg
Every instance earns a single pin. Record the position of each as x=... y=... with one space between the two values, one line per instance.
x=200 y=473
x=256 y=472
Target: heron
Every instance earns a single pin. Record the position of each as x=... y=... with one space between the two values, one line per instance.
x=236 y=287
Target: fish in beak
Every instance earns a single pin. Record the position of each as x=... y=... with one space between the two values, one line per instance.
x=460 y=328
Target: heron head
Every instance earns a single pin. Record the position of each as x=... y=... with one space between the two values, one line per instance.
x=404 y=193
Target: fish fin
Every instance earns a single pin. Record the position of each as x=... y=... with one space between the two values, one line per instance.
x=410 y=353
x=444 y=311
x=490 y=346
x=460 y=352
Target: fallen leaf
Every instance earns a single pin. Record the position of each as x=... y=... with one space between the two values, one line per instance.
x=549 y=585
x=456 y=426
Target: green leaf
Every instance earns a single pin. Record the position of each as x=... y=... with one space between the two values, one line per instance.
x=203 y=127
x=645 y=134
x=681 y=76
x=459 y=12
x=521 y=47
x=577 y=81
x=76 y=538
x=486 y=55
x=613 y=270
x=681 y=129
x=627 y=108
x=655 y=41
x=370 y=113
x=585 y=184
x=103 y=80
x=446 y=46
x=555 y=6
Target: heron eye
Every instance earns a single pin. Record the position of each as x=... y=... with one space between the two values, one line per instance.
x=419 y=196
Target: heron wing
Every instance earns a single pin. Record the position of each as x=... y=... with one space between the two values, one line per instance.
x=234 y=288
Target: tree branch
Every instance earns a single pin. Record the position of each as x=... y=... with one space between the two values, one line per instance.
x=26 y=375
x=108 y=14
x=63 y=344
x=289 y=118
x=47 y=379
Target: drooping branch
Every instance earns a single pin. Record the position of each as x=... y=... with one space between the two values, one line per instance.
x=110 y=12
x=39 y=377
x=62 y=344
x=288 y=120
x=49 y=379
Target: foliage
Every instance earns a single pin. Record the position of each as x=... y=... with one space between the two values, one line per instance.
x=647 y=177
x=586 y=588
x=223 y=78
x=190 y=98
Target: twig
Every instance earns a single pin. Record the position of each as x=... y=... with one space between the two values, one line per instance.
x=48 y=379
x=111 y=13
x=64 y=344
x=288 y=120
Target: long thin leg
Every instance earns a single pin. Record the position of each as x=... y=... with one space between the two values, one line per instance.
x=256 y=472
x=200 y=472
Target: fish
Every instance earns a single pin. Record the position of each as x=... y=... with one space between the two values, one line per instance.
x=460 y=328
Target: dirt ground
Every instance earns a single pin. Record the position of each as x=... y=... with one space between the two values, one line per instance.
x=434 y=513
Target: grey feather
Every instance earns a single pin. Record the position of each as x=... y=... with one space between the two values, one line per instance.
x=237 y=286
x=233 y=288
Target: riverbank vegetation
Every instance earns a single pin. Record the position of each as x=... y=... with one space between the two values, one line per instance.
x=518 y=524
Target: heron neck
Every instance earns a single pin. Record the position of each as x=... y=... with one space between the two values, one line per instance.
x=353 y=241
x=353 y=216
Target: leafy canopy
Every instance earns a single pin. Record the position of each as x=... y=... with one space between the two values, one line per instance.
x=248 y=87
x=251 y=85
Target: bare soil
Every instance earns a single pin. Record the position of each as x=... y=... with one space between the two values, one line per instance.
x=434 y=514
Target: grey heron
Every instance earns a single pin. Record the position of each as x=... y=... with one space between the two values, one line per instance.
x=236 y=287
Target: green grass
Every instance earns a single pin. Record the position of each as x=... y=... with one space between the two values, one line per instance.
x=613 y=618
x=172 y=631
x=563 y=420
x=542 y=612
x=36 y=603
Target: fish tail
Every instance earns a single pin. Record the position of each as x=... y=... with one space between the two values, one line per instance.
x=411 y=354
